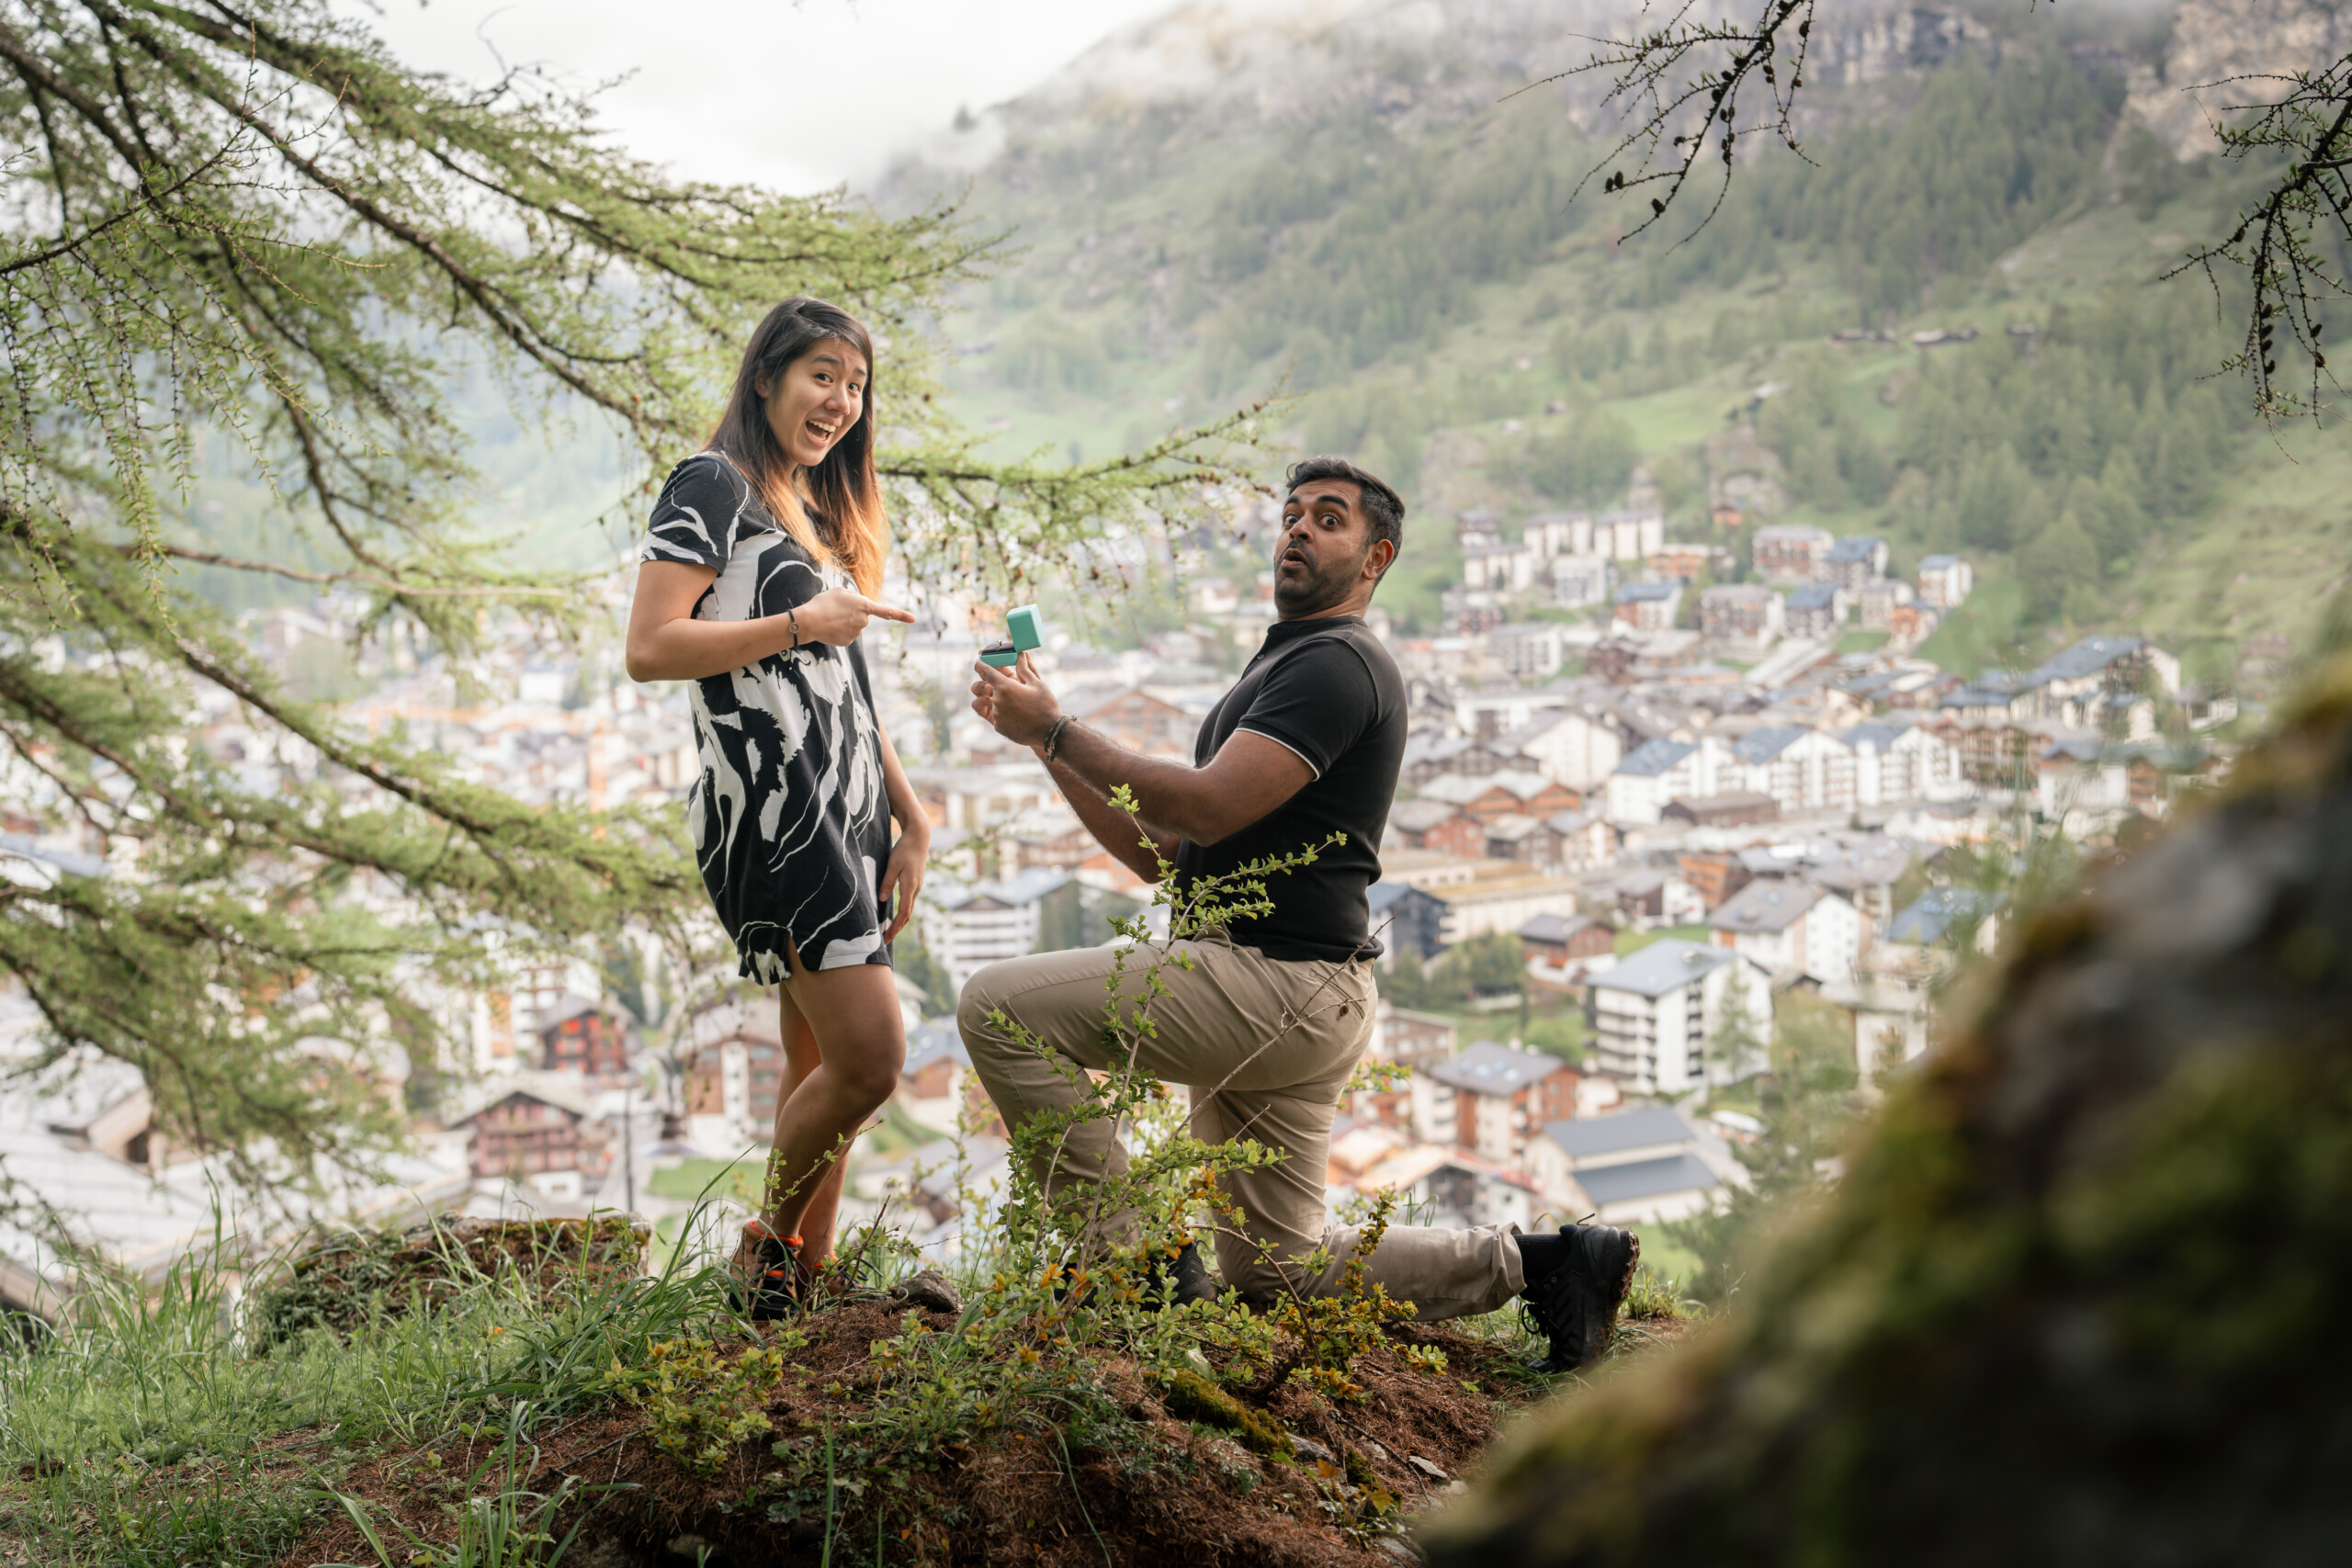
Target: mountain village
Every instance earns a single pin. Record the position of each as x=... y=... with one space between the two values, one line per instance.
x=1673 y=799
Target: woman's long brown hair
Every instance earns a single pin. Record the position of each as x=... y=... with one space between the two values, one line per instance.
x=851 y=531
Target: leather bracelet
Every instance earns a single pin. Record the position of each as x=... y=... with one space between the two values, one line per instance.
x=792 y=616
x=1054 y=733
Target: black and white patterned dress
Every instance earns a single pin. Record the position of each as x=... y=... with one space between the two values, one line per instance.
x=790 y=819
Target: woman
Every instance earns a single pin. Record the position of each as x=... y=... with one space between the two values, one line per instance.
x=758 y=574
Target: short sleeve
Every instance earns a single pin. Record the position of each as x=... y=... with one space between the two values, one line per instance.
x=697 y=516
x=1318 y=702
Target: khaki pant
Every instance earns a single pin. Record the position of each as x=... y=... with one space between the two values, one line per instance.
x=1266 y=1048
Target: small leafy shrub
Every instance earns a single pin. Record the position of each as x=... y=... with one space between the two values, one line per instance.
x=1332 y=1332
x=700 y=1404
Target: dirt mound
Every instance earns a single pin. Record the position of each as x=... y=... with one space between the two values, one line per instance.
x=1113 y=1475
x=351 y=1277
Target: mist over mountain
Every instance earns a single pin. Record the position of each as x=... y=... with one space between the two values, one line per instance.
x=1376 y=206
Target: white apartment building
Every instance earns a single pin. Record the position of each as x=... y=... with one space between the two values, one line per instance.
x=1498 y=568
x=1653 y=1013
x=1580 y=580
x=1945 y=582
x=1633 y=534
x=1894 y=762
x=1551 y=534
x=1791 y=928
x=1575 y=746
x=1803 y=769
x=1528 y=649
x=968 y=928
x=1652 y=777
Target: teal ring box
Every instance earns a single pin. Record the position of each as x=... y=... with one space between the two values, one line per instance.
x=1027 y=629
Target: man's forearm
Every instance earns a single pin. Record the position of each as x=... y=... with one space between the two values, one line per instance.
x=1112 y=828
x=1168 y=794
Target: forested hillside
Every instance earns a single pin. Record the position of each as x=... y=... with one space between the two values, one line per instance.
x=1388 y=231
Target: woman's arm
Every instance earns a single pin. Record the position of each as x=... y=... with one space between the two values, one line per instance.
x=910 y=853
x=666 y=643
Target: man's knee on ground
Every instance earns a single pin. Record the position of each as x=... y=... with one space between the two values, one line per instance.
x=1261 y=1279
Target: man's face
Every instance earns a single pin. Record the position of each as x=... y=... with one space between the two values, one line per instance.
x=1326 y=541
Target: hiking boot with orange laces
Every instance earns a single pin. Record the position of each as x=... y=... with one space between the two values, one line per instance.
x=771 y=1267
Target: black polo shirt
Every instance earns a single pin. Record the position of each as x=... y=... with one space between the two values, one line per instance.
x=1327 y=690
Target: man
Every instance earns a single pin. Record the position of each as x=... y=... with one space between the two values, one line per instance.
x=1268 y=1020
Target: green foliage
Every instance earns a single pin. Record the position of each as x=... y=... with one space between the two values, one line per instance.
x=1586 y=460
x=1384 y=242
x=1987 y=154
x=1560 y=1035
x=1811 y=423
x=701 y=1405
x=1331 y=1333
x=1808 y=1103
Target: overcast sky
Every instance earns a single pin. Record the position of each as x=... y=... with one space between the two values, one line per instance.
x=794 y=95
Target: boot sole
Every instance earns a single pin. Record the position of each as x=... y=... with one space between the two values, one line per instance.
x=1618 y=1289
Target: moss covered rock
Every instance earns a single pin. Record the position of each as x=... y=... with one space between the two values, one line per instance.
x=2080 y=1297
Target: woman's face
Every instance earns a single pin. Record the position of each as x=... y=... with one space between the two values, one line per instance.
x=819 y=396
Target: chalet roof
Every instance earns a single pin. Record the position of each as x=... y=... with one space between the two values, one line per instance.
x=1736 y=593
x=1874 y=862
x=1012 y=892
x=1653 y=758
x=1555 y=928
x=1938 y=563
x=1929 y=918
x=1643 y=1129
x=1511 y=827
x=2088 y=657
x=938 y=1039
x=1385 y=895
x=1878 y=732
x=1763 y=745
x=565 y=1091
x=1666 y=964
x=1567 y=822
x=1813 y=596
x=1647 y=593
x=1857 y=547
x=1777 y=532
x=1771 y=905
x=1462 y=789
x=1610 y=1184
x=1486 y=1067
x=563 y=1009
x=1420 y=815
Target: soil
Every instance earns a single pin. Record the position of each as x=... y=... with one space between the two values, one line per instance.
x=1171 y=1490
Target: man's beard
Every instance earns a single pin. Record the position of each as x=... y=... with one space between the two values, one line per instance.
x=1328 y=588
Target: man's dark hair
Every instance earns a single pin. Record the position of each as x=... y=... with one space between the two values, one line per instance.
x=1383 y=509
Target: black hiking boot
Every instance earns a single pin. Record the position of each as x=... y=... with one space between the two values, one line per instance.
x=1575 y=1306
x=1164 y=1280
x=769 y=1264
x=1178 y=1279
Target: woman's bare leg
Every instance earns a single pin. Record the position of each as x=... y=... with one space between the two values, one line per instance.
x=852 y=1014
x=820 y=1218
